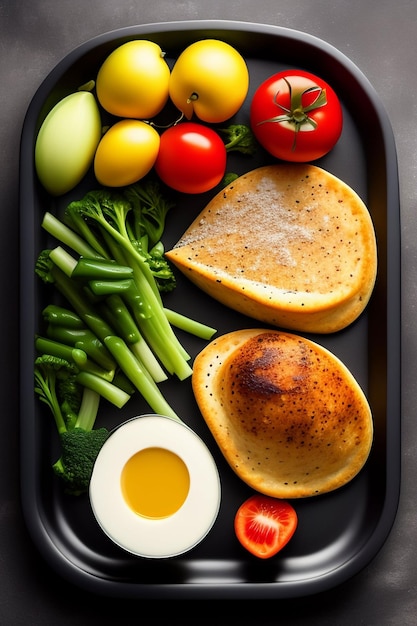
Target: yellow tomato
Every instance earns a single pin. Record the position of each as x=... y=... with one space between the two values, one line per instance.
x=126 y=153
x=133 y=80
x=210 y=78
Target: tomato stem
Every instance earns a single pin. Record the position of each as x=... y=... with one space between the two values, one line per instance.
x=297 y=113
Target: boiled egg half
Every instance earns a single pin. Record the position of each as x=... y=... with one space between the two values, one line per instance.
x=155 y=489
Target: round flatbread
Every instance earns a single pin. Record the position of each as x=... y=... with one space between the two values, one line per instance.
x=290 y=245
x=287 y=414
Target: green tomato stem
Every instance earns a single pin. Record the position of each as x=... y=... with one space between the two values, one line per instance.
x=297 y=113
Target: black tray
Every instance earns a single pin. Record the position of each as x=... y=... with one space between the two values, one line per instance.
x=338 y=533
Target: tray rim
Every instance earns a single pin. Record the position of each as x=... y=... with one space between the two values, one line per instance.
x=366 y=552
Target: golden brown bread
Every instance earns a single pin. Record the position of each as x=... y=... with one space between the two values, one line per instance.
x=289 y=245
x=288 y=416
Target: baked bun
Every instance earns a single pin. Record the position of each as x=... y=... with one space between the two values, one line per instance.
x=289 y=245
x=288 y=416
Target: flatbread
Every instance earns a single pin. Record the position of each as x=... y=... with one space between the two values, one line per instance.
x=290 y=245
x=287 y=414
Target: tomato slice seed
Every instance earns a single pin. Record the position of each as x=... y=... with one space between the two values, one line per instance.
x=264 y=525
x=262 y=529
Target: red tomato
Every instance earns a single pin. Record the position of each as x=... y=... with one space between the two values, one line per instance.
x=191 y=158
x=296 y=116
x=264 y=525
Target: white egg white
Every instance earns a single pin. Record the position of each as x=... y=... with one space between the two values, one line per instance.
x=155 y=538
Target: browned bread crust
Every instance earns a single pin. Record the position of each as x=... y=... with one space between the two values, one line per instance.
x=287 y=414
x=289 y=245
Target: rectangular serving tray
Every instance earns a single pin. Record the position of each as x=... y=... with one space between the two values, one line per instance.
x=338 y=533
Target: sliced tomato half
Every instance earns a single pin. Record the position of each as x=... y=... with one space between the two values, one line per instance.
x=264 y=525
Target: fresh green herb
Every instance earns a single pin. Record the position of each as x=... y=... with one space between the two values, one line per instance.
x=229 y=178
x=239 y=138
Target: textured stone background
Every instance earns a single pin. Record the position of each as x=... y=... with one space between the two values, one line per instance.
x=379 y=37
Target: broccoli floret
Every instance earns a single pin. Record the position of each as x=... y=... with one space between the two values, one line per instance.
x=229 y=178
x=43 y=267
x=150 y=209
x=80 y=442
x=50 y=373
x=160 y=267
x=80 y=449
x=71 y=393
x=239 y=138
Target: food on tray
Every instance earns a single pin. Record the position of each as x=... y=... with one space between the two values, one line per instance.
x=155 y=489
x=67 y=141
x=99 y=344
x=288 y=416
x=210 y=79
x=126 y=153
x=288 y=244
x=191 y=158
x=296 y=116
x=265 y=525
x=133 y=80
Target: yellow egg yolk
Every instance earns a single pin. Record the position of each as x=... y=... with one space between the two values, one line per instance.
x=155 y=482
